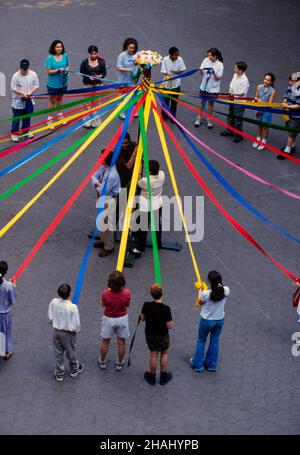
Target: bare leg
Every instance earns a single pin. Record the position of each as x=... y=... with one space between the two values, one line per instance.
x=290 y=141
x=121 y=349
x=153 y=361
x=164 y=359
x=265 y=132
x=104 y=348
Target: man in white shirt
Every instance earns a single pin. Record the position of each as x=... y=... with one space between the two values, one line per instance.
x=172 y=65
x=157 y=179
x=64 y=316
x=239 y=87
x=23 y=84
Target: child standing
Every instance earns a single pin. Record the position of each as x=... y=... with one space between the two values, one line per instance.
x=158 y=320
x=211 y=322
x=64 y=316
x=265 y=92
x=239 y=87
x=172 y=65
x=212 y=69
x=115 y=301
x=7 y=300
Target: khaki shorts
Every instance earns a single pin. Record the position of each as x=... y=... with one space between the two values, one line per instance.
x=119 y=326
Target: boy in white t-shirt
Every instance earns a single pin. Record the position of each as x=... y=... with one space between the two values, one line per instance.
x=239 y=87
x=172 y=65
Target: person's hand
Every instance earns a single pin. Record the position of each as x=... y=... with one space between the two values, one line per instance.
x=61 y=70
x=13 y=281
x=284 y=105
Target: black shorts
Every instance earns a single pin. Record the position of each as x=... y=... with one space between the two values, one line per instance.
x=158 y=343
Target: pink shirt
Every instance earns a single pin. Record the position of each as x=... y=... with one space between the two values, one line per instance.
x=116 y=303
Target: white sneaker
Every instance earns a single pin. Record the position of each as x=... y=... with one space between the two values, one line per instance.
x=197 y=123
x=120 y=365
x=255 y=144
x=209 y=124
x=14 y=138
x=102 y=363
x=96 y=122
x=30 y=135
x=49 y=122
x=122 y=116
x=261 y=147
x=61 y=117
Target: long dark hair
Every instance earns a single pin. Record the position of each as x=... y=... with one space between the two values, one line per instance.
x=3 y=270
x=217 y=289
x=53 y=44
x=216 y=53
x=272 y=76
x=130 y=41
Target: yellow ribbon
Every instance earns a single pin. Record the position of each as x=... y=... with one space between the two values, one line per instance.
x=199 y=284
x=132 y=191
x=65 y=167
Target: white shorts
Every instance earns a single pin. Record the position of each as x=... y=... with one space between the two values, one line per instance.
x=119 y=326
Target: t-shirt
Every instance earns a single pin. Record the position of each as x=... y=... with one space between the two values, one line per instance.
x=168 y=67
x=24 y=83
x=121 y=164
x=209 y=83
x=116 y=303
x=210 y=309
x=293 y=97
x=239 y=85
x=156 y=317
x=156 y=184
x=60 y=79
x=125 y=60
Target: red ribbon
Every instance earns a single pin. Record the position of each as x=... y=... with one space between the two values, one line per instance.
x=215 y=201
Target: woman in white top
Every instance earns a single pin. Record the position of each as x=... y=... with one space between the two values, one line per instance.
x=157 y=179
x=211 y=322
x=212 y=69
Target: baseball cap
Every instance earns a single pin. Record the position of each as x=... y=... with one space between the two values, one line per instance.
x=295 y=76
x=24 y=63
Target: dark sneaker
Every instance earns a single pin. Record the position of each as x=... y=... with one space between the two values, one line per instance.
x=238 y=139
x=103 y=253
x=75 y=373
x=281 y=157
x=165 y=377
x=150 y=377
x=59 y=377
x=198 y=370
x=226 y=133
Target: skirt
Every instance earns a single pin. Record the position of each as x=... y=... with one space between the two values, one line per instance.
x=6 y=330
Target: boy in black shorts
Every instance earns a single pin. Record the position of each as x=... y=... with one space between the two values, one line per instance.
x=158 y=320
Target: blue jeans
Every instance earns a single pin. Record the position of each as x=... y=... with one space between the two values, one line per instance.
x=206 y=326
x=15 y=126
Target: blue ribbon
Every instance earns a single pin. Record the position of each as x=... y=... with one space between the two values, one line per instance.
x=83 y=266
x=89 y=89
x=186 y=74
x=230 y=188
x=45 y=147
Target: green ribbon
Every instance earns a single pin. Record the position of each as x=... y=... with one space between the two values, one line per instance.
x=52 y=109
x=156 y=262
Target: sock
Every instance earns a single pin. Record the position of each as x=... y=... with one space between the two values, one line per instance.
x=287 y=149
x=258 y=138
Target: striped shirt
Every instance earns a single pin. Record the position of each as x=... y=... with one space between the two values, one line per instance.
x=24 y=84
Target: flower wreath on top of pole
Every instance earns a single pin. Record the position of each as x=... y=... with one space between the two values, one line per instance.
x=147 y=60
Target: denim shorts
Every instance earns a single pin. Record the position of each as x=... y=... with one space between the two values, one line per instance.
x=56 y=91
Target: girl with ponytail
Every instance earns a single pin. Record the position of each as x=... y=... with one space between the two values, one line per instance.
x=7 y=299
x=211 y=322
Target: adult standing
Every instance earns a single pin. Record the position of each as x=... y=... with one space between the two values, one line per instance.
x=94 y=65
x=211 y=322
x=172 y=65
x=212 y=69
x=115 y=301
x=23 y=84
x=107 y=177
x=128 y=71
x=57 y=65
x=7 y=300
x=126 y=160
x=157 y=179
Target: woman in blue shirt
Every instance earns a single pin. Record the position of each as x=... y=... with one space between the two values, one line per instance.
x=57 y=65
x=128 y=71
